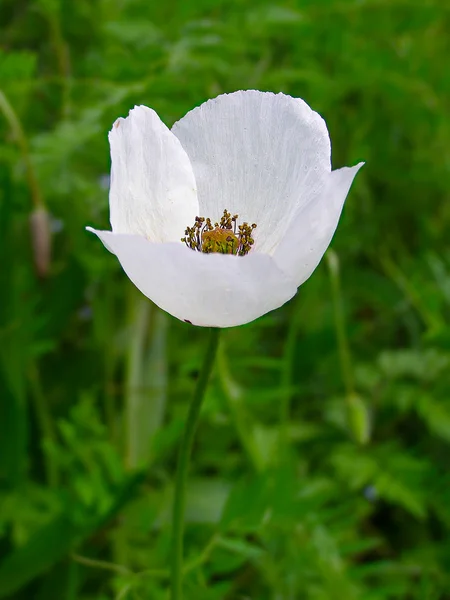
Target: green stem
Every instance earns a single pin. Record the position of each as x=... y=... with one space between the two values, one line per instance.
x=412 y=293
x=101 y=564
x=179 y=504
x=18 y=132
x=241 y=420
x=135 y=393
x=286 y=384
x=61 y=52
x=357 y=413
x=39 y=219
x=339 y=323
x=47 y=430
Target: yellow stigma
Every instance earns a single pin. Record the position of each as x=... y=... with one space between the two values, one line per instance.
x=219 y=240
x=225 y=237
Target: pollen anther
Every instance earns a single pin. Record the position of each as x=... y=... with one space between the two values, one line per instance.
x=225 y=237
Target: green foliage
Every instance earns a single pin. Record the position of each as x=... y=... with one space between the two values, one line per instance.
x=320 y=468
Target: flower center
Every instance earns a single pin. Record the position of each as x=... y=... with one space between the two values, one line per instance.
x=226 y=237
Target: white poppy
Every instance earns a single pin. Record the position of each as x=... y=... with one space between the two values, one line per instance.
x=261 y=156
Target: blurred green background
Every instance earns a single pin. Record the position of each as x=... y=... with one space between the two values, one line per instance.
x=321 y=465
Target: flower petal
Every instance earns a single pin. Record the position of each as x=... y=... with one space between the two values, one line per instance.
x=214 y=290
x=153 y=191
x=311 y=230
x=257 y=154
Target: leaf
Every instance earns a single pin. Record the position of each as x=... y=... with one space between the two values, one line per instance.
x=46 y=547
x=15 y=66
x=241 y=547
x=52 y=542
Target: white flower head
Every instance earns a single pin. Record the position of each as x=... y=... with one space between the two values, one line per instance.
x=262 y=158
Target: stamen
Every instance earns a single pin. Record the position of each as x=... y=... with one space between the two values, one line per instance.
x=225 y=237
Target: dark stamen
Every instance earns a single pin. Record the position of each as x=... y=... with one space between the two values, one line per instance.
x=225 y=237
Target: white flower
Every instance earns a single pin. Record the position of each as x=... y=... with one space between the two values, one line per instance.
x=262 y=156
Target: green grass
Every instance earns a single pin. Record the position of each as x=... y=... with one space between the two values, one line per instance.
x=320 y=468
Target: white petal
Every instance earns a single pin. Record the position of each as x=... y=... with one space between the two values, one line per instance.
x=257 y=154
x=213 y=290
x=153 y=191
x=310 y=232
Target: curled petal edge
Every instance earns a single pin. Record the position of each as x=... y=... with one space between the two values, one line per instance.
x=312 y=227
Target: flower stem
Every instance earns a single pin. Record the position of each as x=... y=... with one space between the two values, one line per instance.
x=345 y=358
x=286 y=385
x=357 y=413
x=179 y=504
x=234 y=395
x=18 y=132
x=45 y=423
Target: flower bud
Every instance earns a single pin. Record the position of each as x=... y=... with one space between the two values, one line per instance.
x=41 y=240
x=359 y=419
